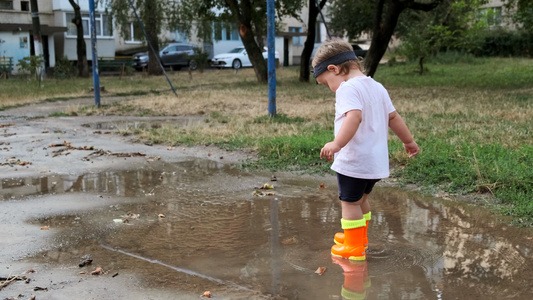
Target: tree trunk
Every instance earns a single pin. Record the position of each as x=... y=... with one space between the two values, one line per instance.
x=385 y=22
x=384 y=25
x=310 y=40
x=152 y=30
x=421 y=65
x=81 y=47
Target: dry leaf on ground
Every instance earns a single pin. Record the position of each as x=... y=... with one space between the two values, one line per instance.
x=320 y=270
x=97 y=271
x=207 y=294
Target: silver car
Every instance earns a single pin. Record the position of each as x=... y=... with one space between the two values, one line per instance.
x=174 y=55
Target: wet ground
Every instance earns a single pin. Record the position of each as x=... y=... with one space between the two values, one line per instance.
x=175 y=223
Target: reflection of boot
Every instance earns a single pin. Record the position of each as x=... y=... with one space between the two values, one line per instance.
x=339 y=236
x=353 y=247
x=355 y=278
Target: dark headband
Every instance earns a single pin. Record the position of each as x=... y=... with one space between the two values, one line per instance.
x=336 y=59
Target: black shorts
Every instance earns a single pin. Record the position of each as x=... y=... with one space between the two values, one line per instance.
x=352 y=189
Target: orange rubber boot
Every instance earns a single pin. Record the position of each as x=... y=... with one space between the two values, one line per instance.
x=353 y=247
x=356 y=279
x=339 y=236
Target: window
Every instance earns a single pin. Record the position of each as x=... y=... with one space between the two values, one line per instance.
x=25 y=5
x=296 y=40
x=134 y=33
x=226 y=32
x=103 y=24
x=6 y=4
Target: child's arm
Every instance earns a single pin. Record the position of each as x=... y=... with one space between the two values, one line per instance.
x=398 y=126
x=346 y=133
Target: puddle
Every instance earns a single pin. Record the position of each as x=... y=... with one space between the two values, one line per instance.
x=217 y=236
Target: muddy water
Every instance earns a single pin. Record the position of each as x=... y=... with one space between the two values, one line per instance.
x=215 y=235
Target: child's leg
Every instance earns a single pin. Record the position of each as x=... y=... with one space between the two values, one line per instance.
x=352 y=210
x=351 y=192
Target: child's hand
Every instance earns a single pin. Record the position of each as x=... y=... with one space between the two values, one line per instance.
x=411 y=148
x=329 y=150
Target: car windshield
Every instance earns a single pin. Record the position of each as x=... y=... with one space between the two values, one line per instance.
x=236 y=50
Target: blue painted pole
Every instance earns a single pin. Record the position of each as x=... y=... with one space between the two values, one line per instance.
x=96 y=76
x=271 y=18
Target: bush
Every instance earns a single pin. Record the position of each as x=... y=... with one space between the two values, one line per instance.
x=200 y=56
x=64 y=68
x=504 y=42
x=31 y=64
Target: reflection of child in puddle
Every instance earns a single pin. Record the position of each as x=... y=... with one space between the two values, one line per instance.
x=356 y=279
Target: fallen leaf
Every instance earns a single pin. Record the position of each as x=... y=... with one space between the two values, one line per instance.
x=161 y=215
x=45 y=227
x=83 y=272
x=132 y=215
x=30 y=271
x=97 y=271
x=207 y=294
x=289 y=241
x=169 y=148
x=267 y=186
x=322 y=186
x=320 y=270
x=32 y=297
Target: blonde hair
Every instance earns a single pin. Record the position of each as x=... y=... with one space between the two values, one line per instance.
x=333 y=47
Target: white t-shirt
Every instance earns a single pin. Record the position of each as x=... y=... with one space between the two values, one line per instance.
x=366 y=155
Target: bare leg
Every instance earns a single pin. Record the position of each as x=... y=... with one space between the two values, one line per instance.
x=365 y=205
x=351 y=210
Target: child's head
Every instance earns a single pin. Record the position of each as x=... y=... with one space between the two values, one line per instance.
x=335 y=52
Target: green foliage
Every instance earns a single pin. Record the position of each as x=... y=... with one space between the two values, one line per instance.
x=278 y=118
x=505 y=42
x=470 y=167
x=64 y=68
x=521 y=12
x=293 y=153
x=31 y=64
x=200 y=57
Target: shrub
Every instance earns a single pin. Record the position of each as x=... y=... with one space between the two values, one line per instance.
x=64 y=68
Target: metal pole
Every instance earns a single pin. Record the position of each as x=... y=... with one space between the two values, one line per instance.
x=271 y=14
x=37 y=38
x=96 y=76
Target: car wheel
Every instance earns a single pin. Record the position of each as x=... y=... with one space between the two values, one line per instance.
x=236 y=64
x=193 y=65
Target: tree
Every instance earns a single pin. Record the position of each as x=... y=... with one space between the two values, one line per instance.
x=154 y=14
x=248 y=16
x=310 y=39
x=81 y=48
x=455 y=24
x=522 y=12
x=385 y=14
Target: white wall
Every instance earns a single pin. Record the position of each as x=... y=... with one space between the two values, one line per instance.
x=84 y=5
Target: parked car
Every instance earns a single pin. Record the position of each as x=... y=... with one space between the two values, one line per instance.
x=359 y=52
x=174 y=55
x=236 y=59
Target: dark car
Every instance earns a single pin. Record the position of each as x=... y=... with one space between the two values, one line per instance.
x=174 y=55
x=359 y=51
